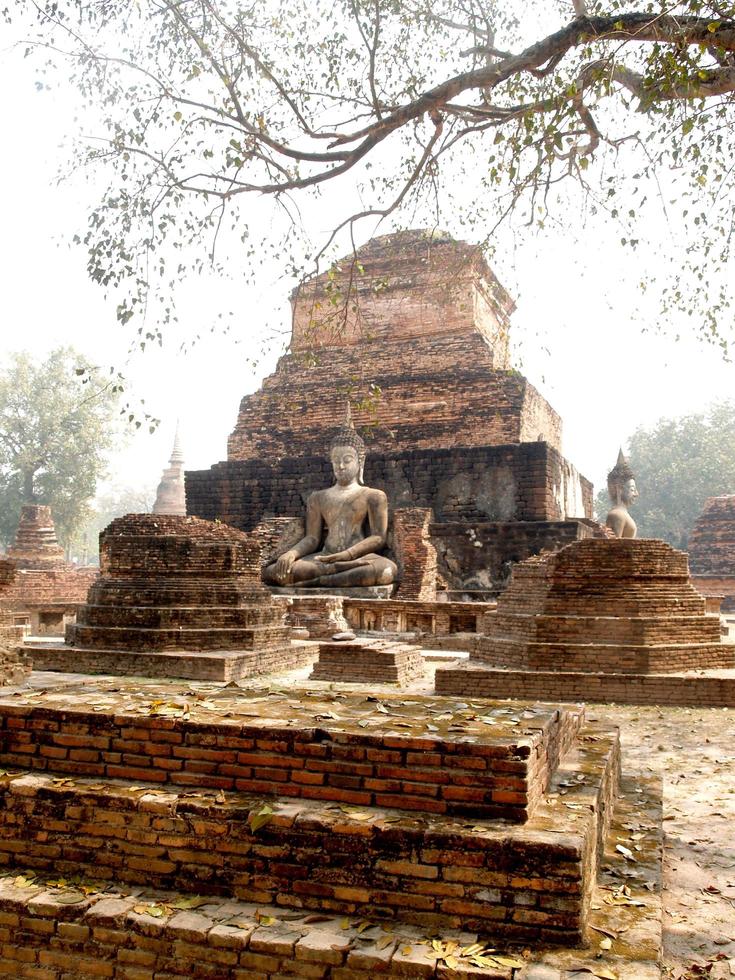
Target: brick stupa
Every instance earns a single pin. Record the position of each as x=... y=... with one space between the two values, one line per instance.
x=171 y=492
x=35 y=544
x=602 y=620
x=413 y=331
x=47 y=590
x=176 y=597
x=712 y=550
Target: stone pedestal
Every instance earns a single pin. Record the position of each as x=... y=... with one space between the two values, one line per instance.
x=368 y=661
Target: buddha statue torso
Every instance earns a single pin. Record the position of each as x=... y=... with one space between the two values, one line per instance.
x=622 y=492
x=355 y=518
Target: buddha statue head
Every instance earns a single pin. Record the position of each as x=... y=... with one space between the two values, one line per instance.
x=347 y=452
x=621 y=483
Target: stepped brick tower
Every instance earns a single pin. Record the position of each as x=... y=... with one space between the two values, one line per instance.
x=47 y=590
x=712 y=550
x=412 y=330
x=177 y=597
x=171 y=494
x=610 y=620
x=35 y=545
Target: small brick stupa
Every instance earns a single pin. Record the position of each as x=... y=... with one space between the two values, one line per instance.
x=602 y=620
x=36 y=545
x=712 y=550
x=15 y=665
x=171 y=493
x=176 y=597
x=47 y=590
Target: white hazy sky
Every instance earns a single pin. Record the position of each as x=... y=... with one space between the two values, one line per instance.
x=574 y=329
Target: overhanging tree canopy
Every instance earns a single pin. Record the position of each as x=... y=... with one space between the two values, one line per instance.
x=462 y=108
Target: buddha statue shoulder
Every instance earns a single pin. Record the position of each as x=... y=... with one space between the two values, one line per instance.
x=346 y=528
x=623 y=492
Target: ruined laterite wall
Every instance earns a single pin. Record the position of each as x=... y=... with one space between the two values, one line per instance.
x=484 y=483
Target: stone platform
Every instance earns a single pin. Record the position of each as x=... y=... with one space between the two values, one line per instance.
x=60 y=925
x=178 y=795
x=368 y=661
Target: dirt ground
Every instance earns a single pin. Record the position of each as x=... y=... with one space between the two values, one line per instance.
x=692 y=750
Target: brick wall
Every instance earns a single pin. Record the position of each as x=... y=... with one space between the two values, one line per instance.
x=482 y=483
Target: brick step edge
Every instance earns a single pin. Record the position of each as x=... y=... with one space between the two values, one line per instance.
x=706 y=689
x=103 y=936
x=527 y=882
x=453 y=775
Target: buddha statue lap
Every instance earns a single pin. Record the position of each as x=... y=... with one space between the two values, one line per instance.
x=347 y=556
x=623 y=492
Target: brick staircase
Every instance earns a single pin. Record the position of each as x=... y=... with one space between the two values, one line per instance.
x=304 y=808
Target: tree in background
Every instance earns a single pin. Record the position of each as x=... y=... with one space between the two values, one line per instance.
x=57 y=425
x=459 y=114
x=677 y=465
x=115 y=501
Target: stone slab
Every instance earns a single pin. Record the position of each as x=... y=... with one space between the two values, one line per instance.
x=706 y=688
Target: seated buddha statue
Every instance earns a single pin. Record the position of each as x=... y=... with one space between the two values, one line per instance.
x=623 y=492
x=346 y=528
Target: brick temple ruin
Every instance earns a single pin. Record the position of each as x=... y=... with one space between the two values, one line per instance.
x=712 y=550
x=608 y=620
x=176 y=597
x=47 y=589
x=421 y=353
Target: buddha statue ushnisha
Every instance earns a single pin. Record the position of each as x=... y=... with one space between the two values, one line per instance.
x=355 y=518
x=623 y=492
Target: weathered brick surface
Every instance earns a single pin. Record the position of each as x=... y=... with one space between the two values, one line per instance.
x=524 y=482
x=529 y=882
x=415 y=553
x=499 y=766
x=713 y=689
x=15 y=664
x=712 y=549
x=618 y=605
x=59 y=934
x=422 y=352
x=177 y=583
x=369 y=661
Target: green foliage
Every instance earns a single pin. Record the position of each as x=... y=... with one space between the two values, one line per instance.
x=115 y=501
x=678 y=464
x=215 y=118
x=56 y=427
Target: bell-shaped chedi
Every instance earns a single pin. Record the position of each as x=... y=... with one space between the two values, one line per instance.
x=171 y=492
x=35 y=544
x=177 y=597
x=712 y=550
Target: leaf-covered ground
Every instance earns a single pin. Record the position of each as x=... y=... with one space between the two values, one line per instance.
x=693 y=751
